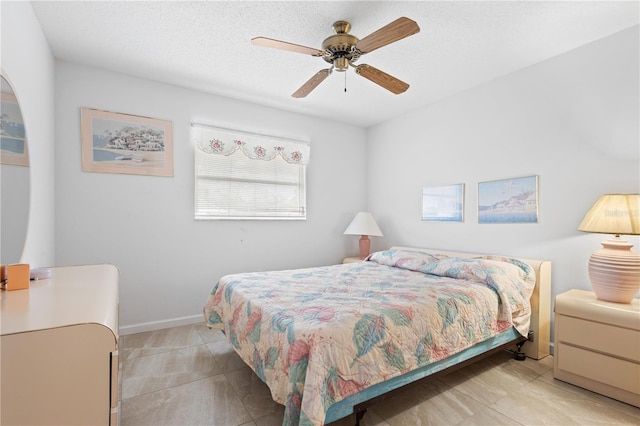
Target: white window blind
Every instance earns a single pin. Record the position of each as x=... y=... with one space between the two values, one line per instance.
x=242 y=175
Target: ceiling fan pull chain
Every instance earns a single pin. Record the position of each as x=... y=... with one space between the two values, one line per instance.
x=345 y=82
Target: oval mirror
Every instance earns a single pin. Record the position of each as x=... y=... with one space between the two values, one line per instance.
x=14 y=177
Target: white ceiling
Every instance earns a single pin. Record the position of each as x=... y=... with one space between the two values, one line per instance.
x=206 y=45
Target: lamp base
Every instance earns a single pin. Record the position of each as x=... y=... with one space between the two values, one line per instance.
x=365 y=246
x=614 y=271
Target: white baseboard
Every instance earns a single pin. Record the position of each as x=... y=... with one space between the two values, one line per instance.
x=159 y=325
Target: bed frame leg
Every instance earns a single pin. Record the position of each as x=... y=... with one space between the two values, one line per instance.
x=360 y=415
x=519 y=355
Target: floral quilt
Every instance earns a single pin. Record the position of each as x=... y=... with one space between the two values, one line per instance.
x=318 y=335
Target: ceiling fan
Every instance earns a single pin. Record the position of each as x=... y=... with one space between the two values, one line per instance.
x=342 y=50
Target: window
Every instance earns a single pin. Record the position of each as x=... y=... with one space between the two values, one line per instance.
x=242 y=175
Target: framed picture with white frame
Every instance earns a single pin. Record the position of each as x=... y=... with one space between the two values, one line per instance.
x=443 y=203
x=512 y=200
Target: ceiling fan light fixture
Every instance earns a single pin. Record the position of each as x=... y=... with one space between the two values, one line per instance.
x=341 y=64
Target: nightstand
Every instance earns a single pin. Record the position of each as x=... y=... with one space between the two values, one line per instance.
x=597 y=345
x=352 y=259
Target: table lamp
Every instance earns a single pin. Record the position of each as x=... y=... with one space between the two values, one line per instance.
x=365 y=225
x=614 y=270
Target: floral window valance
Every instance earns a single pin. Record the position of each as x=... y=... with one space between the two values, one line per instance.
x=215 y=140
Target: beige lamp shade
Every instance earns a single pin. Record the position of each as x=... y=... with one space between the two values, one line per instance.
x=616 y=214
x=614 y=270
x=365 y=225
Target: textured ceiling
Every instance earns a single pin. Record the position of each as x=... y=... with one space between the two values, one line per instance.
x=206 y=46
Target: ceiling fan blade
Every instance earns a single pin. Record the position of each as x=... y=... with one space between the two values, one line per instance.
x=283 y=45
x=312 y=83
x=382 y=79
x=396 y=30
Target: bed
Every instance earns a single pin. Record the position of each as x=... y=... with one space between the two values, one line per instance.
x=329 y=340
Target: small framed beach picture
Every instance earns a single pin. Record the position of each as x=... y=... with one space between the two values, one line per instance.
x=13 y=139
x=123 y=143
x=508 y=200
x=443 y=203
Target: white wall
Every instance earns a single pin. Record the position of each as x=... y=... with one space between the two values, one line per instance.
x=572 y=120
x=29 y=66
x=168 y=261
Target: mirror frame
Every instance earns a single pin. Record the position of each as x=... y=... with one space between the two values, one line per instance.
x=15 y=176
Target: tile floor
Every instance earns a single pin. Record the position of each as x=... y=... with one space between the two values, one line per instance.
x=190 y=375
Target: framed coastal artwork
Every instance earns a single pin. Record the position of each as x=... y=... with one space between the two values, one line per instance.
x=122 y=143
x=13 y=139
x=508 y=200
x=443 y=203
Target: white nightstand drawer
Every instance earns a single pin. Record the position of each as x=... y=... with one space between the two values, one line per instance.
x=621 y=342
x=597 y=345
x=600 y=368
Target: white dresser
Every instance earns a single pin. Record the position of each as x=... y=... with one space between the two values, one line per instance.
x=59 y=349
x=597 y=345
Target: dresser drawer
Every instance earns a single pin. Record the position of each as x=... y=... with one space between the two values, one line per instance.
x=616 y=341
x=614 y=372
